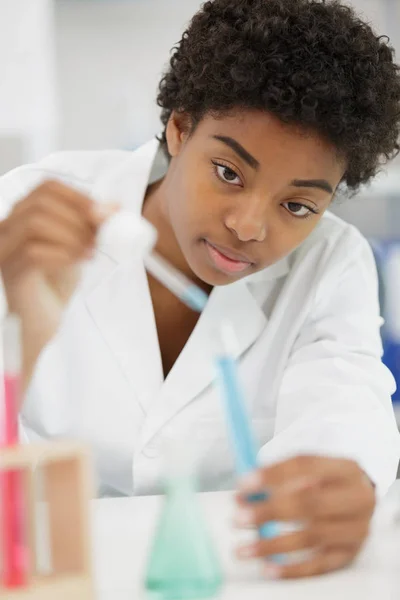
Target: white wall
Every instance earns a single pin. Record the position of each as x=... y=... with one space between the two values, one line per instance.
x=110 y=58
x=28 y=112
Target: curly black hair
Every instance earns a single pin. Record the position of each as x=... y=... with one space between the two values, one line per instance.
x=312 y=63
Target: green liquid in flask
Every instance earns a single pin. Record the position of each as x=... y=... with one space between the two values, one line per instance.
x=183 y=564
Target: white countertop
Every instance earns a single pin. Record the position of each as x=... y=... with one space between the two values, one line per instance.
x=123 y=530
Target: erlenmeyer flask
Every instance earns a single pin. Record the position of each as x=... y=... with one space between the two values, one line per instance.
x=183 y=564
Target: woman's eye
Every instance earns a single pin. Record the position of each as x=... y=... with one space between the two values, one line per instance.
x=227 y=175
x=299 y=210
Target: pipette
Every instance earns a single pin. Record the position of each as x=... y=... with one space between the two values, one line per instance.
x=189 y=293
x=237 y=417
x=125 y=234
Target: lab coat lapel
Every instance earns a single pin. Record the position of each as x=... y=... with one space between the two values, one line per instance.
x=121 y=305
x=194 y=370
x=122 y=310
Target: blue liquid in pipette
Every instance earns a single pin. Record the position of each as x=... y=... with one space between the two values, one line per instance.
x=241 y=434
x=195 y=298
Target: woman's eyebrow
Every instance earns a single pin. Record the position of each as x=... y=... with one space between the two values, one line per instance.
x=239 y=150
x=321 y=184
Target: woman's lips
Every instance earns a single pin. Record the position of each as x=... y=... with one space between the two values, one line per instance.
x=223 y=262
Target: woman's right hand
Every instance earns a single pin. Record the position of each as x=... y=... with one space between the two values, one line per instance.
x=42 y=242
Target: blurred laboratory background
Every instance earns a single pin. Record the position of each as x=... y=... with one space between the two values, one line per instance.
x=83 y=74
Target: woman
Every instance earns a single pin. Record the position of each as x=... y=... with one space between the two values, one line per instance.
x=269 y=108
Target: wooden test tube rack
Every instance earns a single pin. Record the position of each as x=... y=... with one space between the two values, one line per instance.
x=67 y=492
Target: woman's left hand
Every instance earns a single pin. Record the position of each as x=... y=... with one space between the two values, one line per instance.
x=332 y=499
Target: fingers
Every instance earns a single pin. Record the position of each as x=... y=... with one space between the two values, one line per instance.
x=49 y=190
x=291 y=542
x=95 y=214
x=317 y=536
x=52 y=215
x=46 y=235
x=313 y=467
x=48 y=257
x=66 y=214
x=39 y=255
x=308 y=501
x=49 y=195
x=73 y=236
x=324 y=562
x=306 y=488
x=65 y=203
x=340 y=552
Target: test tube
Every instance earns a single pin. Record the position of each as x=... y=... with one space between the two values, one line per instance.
x=15 y=552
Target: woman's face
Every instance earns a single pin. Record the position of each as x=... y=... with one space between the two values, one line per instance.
x=244 y=190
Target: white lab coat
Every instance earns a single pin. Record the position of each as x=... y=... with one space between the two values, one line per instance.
x=309 y=352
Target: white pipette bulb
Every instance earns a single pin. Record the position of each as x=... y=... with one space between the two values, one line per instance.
x=126 y=235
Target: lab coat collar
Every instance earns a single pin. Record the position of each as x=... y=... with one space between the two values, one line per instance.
x=195 y=370
x=276 y=271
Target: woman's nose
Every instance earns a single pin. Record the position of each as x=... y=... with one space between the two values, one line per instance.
x=248 y=225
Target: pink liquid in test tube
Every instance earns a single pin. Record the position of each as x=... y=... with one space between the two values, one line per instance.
x=14 y=551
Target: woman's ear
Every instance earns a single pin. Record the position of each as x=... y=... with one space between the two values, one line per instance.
x=177 y=132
